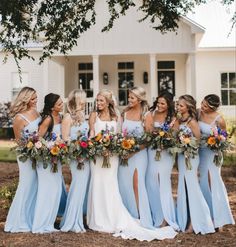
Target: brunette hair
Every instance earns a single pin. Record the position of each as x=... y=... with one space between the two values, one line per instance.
x=213 y=101
x=49 y=102
x=170 y=105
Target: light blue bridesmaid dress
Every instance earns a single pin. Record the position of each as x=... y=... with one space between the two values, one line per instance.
x=21 y=212
x=137 y=162
x=191 y=204
x=214 y=189
x=73 y=217
x=49 y=196
x=158 y=182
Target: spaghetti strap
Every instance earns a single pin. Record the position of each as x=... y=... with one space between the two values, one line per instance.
x=24 y=117
x=215 y=119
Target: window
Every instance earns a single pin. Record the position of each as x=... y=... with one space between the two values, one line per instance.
x=166 y=76
x=125 y=81
x=228 y=88
x=86 y=78
x=17 y=85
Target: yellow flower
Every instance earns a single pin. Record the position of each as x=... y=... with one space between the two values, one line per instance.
x=186 y=140
x=30 y=145
x=126 y=144
x=55 y=150
x=162 y=133
x=211 y=141
x=132 y=141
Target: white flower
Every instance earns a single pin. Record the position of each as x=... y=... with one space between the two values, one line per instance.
x=38 y=144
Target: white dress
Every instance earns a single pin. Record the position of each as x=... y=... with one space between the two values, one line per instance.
x=105 y=211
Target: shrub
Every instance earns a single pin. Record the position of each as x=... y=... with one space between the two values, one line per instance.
x=5 y=119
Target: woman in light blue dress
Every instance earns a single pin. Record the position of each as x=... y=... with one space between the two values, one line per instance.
x=132 y=177
x=193 y=213
x=73 y=123
x=158 y=177
x=50 y=183
x=26 y=120
x=211 y=182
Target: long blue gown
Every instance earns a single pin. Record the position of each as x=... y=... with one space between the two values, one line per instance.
x=21 y=212
x=137 y=162
x=214 y=189
x=158 y=182
x=191 y=204
x=73 y=217
x=49 y=196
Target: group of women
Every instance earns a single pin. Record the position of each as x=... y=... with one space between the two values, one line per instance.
x=133 y=201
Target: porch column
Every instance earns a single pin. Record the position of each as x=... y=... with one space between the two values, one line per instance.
x=44 y=87
x=153 y=77
x=95 y=75
x=191 y=86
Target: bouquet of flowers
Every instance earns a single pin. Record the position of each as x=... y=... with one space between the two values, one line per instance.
x=81 y=149
x=127 y=144
x=161 y=138
x=218 y=142
x=187 y=144
x=105 y=145
x=32 y=147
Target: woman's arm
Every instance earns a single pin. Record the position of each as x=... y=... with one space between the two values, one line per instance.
x=148 y=122
x=221 y=123
x=65 y=127
x=92 y=119
x=43 y=127
x=193 y=124
x=18 y=125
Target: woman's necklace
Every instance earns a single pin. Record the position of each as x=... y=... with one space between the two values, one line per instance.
x=183 y=120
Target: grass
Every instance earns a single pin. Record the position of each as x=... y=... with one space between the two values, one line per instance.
x=7 y=155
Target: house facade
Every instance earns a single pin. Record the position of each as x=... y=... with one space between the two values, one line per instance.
x=134 y=54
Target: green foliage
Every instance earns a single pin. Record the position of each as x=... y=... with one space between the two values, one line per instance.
x=57 y=25
x=7 y=194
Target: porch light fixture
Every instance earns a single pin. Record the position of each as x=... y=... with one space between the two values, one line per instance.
x=105 y=78
x=145 y=77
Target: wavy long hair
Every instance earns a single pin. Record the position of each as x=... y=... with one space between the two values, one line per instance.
x=170 y=105
x=108 y=95
x=21 y=102
x=140 y=93
x=49 y=102
x=76 y=105
x=191 y=105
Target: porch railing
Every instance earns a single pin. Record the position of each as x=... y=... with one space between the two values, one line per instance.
x=89 y=107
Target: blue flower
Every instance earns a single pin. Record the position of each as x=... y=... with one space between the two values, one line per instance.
x=53 y=136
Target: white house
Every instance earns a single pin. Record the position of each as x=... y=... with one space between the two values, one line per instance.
x=200 y=59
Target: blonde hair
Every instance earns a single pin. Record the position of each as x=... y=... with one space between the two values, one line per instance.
x=140 y=93
x=108 y=95
x=76 y=105
x=21 y=101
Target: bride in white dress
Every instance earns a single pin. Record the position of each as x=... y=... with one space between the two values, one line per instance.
x=105 y=211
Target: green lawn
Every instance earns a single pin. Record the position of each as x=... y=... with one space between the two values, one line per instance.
x=7 y=155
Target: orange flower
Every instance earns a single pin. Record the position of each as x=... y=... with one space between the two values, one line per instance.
x=211 y=141
x=98 y=137
x=55 y=150
x=126 y=144
x=186 y=140
x=90 y=143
